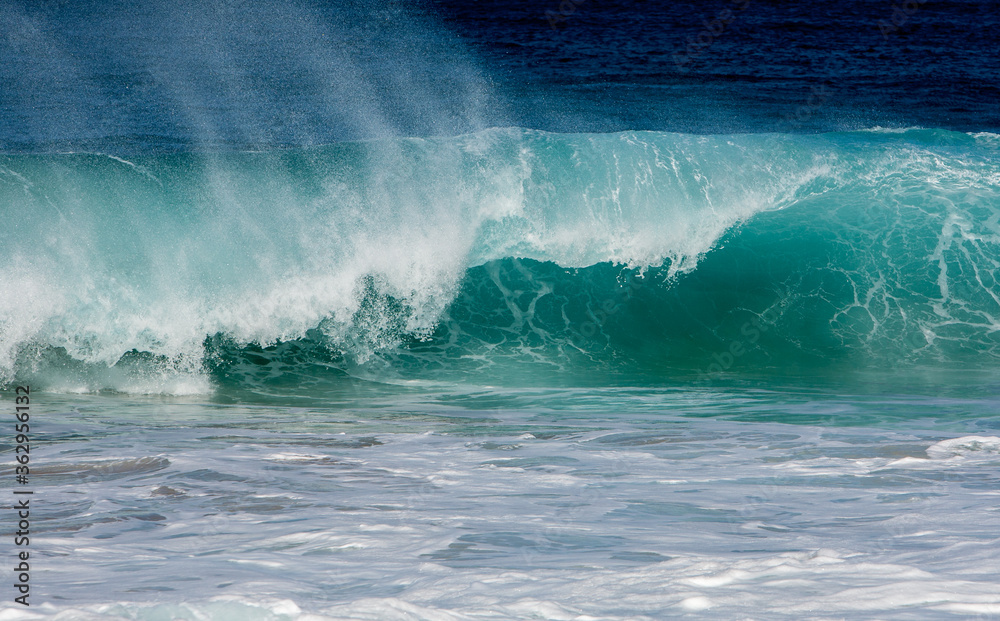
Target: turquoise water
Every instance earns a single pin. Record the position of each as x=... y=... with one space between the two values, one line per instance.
x=508 y=257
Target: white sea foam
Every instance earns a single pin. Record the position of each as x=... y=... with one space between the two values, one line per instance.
x=973 y=447
x=508 y=514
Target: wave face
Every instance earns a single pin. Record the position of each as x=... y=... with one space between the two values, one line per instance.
x=508 y=255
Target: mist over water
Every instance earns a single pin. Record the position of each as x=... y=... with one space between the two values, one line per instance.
x=163 y=256
x=225 y=75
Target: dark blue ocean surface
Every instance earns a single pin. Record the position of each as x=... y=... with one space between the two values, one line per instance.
x=115 y=75
x=741 y=65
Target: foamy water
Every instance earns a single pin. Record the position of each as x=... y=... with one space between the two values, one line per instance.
x=638 y=507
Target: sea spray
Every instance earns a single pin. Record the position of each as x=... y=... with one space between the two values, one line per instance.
x=441 y=257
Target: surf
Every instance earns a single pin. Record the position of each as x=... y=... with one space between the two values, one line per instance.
x=513 y=254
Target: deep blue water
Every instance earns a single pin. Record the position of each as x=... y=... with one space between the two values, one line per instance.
x=180 y=75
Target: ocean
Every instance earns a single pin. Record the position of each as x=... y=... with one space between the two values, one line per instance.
x=445 y=310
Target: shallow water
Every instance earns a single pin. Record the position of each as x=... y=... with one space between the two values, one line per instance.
x=732 y=502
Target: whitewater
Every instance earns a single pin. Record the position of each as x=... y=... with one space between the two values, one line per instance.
x=640 y=254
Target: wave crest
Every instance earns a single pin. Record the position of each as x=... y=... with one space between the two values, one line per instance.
x=396 y=258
